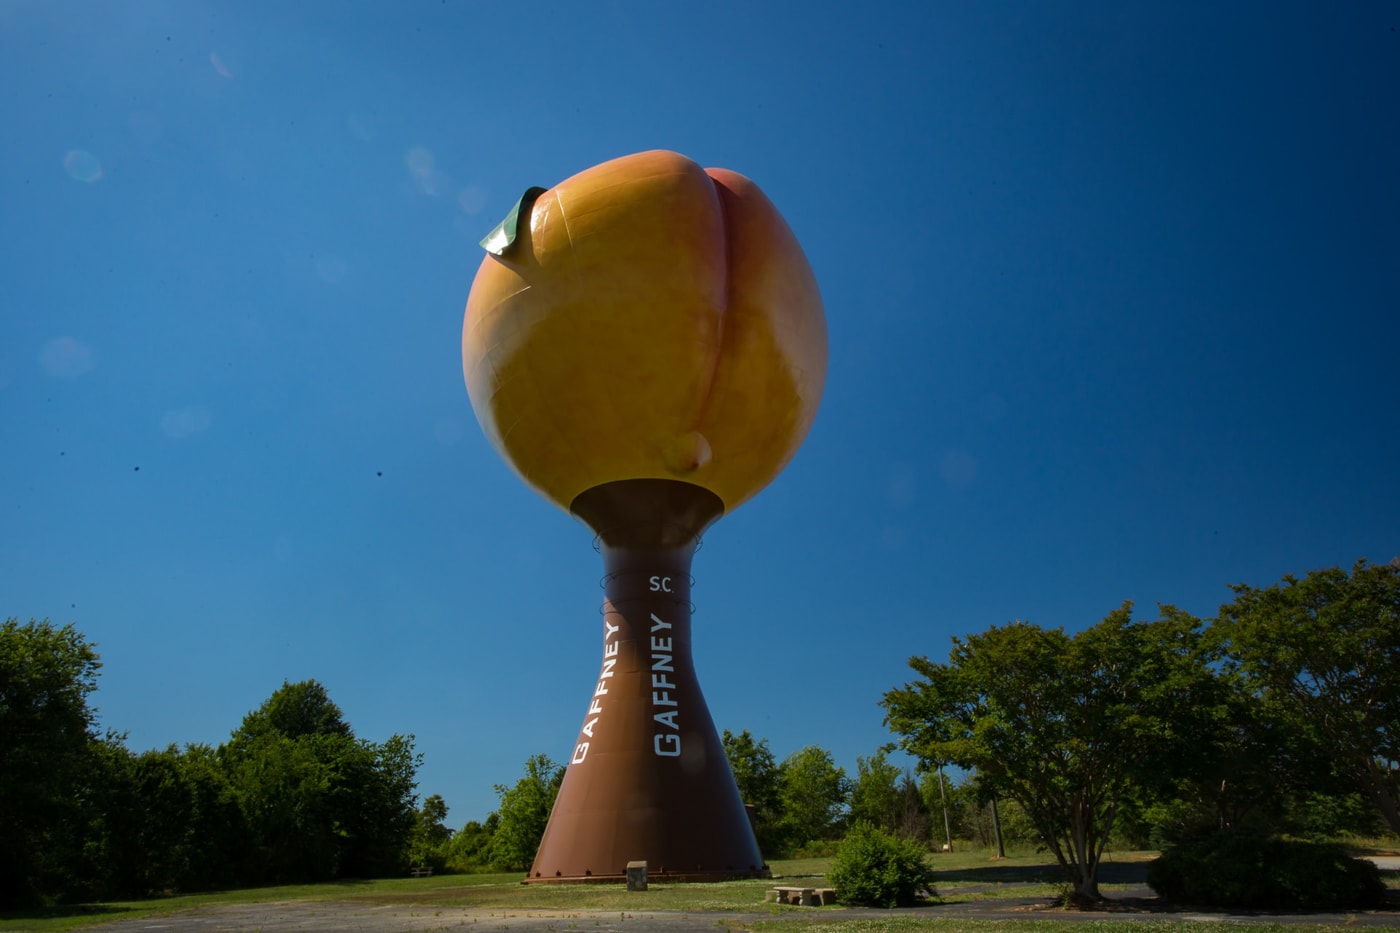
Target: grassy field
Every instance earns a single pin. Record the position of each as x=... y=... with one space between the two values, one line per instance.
x=960 y=876
x=1047 y=925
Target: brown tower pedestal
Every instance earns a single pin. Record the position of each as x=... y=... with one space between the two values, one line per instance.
x=648 y=778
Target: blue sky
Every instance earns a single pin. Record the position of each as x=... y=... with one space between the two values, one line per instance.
x=1113 y=292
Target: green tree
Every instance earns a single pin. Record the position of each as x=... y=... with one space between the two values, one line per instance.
x=294 y=710
x=284 y=789
x=524 y=813
x=915 y=819
x=1264 y=767
x=376 y=809
x=814 y=793
x=167 y=822
x=48 y=736
x=875 y=793
x=756 y=773
x=219 y=842
x=146 y=818
x=320 y=803
x=165 y=837
x=431 y=835
x=1070 y=727
x=1325 y=651
x=470 y=847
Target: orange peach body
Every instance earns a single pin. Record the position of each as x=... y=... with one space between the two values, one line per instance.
x=653 y=320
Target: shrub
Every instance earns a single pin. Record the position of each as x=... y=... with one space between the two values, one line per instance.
x=875 y=869
x=1249 y=871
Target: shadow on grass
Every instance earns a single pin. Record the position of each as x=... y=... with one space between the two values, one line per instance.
x=63 y=911
x=112 y=910
x=1109 y=873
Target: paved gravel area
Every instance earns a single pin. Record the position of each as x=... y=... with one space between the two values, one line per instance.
x=325 y=917
x=1134 y=903
x=337 y=916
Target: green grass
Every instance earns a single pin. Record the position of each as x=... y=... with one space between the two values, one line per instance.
x=501 y=891
x=906 y=924
x=443 y=889
x=960 y=877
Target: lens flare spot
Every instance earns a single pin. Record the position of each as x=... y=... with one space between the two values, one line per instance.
x=66 y=358
x=185 y=422
x=422 y=168
x=82 y=165
x=471 y=200
x=220 y=66
x=420 y=161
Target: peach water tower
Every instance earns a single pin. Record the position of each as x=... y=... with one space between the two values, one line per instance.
x=645 y=345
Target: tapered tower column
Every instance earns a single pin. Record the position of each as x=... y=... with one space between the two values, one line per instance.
x=648 y=778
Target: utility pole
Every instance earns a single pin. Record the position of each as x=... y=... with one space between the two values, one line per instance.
x=947 y=825
x=996 y=829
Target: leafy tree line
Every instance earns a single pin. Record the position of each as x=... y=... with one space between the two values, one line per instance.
x=805 y=804
x=1138 y=733
x=505 y=841
x=1277 y=716
x=292 y=796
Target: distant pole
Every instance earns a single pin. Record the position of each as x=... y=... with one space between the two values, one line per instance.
x=947 y=826
x=996 y=829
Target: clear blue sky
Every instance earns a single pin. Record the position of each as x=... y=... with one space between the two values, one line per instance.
x=1113 y=292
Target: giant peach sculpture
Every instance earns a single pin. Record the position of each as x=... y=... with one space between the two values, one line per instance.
x=644 y=343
